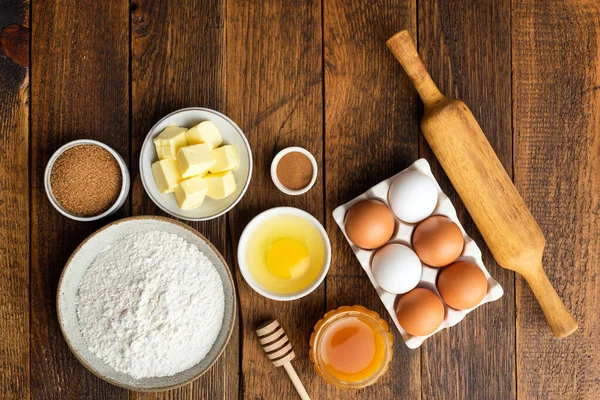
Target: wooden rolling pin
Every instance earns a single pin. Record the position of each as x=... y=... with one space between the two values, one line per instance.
x=276 y=344
x=511 y=233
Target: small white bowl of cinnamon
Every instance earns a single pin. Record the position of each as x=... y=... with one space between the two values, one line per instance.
x=294 y=171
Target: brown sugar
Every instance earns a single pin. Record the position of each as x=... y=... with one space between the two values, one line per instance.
x=295 y=170
x=86 y=180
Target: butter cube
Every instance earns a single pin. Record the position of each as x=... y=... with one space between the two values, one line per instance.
x=204 y=132
x=190 y=193
x=170 y=140
x=195 y=160
x=166 y=175
x=226 y=159
x=219 y=185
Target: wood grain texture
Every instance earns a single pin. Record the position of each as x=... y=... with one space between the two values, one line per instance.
x=178 y=55
x=315 y=74
x=556 y=117
x=371 y=133
x=274 y=93
x=79 y=89
x=14 y=210
x=466 y=47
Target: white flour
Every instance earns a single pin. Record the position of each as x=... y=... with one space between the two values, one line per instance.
x=150 y=305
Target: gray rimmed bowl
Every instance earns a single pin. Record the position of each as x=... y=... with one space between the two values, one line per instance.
x=82 y=257
x=231 y=134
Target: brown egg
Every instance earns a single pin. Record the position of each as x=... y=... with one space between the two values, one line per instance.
x=369 y=224
x=462 y=285
x=438 y=241
x=420 y=312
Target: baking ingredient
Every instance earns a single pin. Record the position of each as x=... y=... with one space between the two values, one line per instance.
x=462 y=285
x=166 y=175
x=169 y=141
x=413 y=196
x=285 y=254
x=195 y=160
x=150 y=304
x=294 y=170
x=288 y=258
x=191 y=192
x=205 y=132
x=196 y=153
x=438 y=241
x=86 y=180
x=369 y=224
x=352 y=349
x=396 y=268
x=420 y=312
x=220 y=185
x=226 y=159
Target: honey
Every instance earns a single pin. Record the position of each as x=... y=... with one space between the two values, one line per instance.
x=351 y=347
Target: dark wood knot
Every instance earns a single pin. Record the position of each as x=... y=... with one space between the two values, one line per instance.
x=14 y=40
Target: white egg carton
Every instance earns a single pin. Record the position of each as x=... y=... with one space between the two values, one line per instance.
x=403 y=233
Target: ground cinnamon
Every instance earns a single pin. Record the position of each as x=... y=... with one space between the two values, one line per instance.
x=86 y=180
x=295 y=170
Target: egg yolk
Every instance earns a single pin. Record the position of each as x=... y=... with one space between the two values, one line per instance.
x=288 y=258
x=285 y=254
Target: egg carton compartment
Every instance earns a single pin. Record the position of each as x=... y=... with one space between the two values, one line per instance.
x=402 y=234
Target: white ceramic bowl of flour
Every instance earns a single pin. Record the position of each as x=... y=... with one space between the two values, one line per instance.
x=74 y=274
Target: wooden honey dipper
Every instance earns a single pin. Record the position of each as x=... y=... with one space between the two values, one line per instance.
x=511 y=233
x=276 y=344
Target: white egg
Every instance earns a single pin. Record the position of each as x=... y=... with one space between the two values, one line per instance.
x=413 y=196
x=396 y=268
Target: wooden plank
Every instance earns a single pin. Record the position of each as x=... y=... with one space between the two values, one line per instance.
x=79 y=89
x=371 y=133
x=14 y=200
x=178 y=52
x=556 y=115
x=274 y=92
x=466 y=47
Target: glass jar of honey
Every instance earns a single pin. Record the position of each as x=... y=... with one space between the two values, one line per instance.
x=351 y=347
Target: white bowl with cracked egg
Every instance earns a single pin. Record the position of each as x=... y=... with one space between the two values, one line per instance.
x=231 y=134
x=75 y=269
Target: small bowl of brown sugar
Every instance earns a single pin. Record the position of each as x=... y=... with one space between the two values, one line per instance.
x=86 y=180
x=294 y=170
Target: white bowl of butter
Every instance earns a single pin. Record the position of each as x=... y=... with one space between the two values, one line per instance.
x=237 y=181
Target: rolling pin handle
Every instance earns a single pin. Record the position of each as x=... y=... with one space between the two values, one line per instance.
x=404 y=49
x=558 y=316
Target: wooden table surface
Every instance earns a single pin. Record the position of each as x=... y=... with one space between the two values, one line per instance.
x=315 y=74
